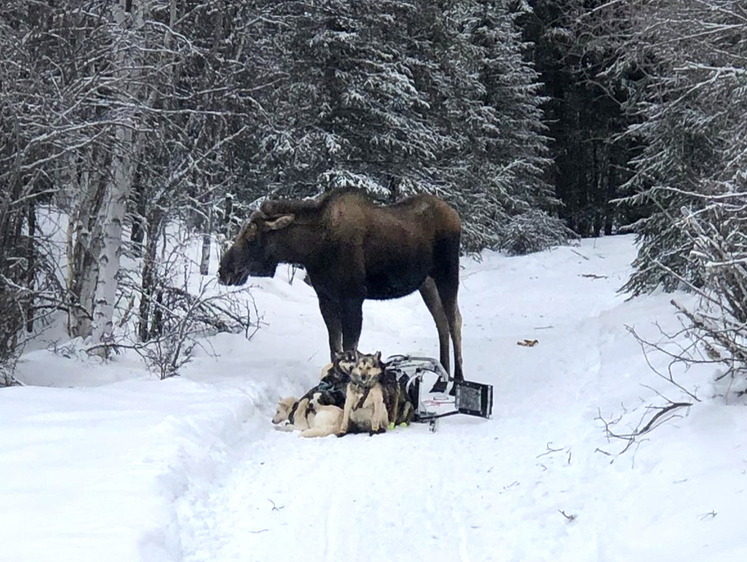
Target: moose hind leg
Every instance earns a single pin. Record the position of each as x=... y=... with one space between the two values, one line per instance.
x=448 y=292
x=429 y=293
x=447 y=281
x=455 y=326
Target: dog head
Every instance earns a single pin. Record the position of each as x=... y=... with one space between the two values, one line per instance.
x=367 y=369
x=345 y=361
x=283 y=410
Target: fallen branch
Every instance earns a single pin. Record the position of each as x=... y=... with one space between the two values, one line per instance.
x=652 y=424
x=570 y=517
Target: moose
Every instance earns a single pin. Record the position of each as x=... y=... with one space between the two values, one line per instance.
x=353 y=249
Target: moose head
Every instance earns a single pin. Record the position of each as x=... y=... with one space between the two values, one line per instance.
x=253 y=251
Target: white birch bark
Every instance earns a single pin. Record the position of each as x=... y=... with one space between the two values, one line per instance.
x=112 y=218
x=206 y=243
x=114 y=206
x=83 y=246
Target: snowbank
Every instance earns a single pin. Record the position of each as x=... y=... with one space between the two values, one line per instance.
x=92 y=473
x=102 y=462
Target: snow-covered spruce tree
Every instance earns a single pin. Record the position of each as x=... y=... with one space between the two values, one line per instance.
x=692 y=170
x=503 y=142
x=411 y=97
x=690 y=110
x=576 y=45
x=348 y=112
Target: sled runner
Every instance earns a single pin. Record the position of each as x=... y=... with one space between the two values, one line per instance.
x=418 y=374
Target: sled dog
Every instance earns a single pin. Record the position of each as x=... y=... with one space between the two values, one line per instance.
x=319 y=408
x=398 y=405
x=309 y=416
x=334 y=380
x=364 y=408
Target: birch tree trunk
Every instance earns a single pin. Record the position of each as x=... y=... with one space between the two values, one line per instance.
x=118 y=188
x=84 y=239
x=112 y=218
x=206 y=239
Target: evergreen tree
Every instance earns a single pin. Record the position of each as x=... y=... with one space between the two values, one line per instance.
x=406 y=97
x=577 y=46
x=504 y=137
x=691 y=110
x=692 y=170
x=348 y=112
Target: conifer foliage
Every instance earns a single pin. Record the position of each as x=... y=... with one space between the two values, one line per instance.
x=127 y=116
x=692 y=171
x=404 y=97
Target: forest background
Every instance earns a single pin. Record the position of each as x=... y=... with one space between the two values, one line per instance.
x=126 y=125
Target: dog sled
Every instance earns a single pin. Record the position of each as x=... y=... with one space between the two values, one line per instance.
x=434 y=394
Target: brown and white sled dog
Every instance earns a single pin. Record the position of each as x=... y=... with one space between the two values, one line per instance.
x=365 y=409
x=308 y=416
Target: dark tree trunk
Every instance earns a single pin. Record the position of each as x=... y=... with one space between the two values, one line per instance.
x=150 y=296
x=137 y=234
x=31 y=272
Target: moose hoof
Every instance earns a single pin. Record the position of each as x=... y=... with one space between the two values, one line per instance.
x=440 y=386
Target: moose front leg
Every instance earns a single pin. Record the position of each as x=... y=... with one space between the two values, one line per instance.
x=352 y=323
x=332 y=319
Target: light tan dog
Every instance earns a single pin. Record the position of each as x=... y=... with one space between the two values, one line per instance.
x=287 y=407
x=308 y=416
x=365 y=409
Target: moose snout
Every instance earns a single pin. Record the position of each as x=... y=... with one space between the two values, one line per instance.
x=229 y=271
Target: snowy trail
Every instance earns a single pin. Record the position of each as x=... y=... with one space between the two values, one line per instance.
x=476 y=489
x=111 y=464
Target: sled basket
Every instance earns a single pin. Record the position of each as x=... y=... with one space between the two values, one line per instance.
x=429 y=389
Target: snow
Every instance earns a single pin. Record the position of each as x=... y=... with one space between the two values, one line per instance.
x=100 y=461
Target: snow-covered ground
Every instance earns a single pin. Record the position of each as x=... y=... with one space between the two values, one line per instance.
x=102 y=462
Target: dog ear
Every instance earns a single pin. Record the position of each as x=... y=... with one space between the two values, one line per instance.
x=280 y=222
x=377 y=356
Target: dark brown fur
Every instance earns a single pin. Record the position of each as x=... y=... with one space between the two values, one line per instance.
x=354 y=250
x=399 y=408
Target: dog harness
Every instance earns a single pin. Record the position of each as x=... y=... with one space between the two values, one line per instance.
x=366 y=390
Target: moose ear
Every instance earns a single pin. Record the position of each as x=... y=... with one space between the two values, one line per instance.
x=280 y=222
x=248 y=230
